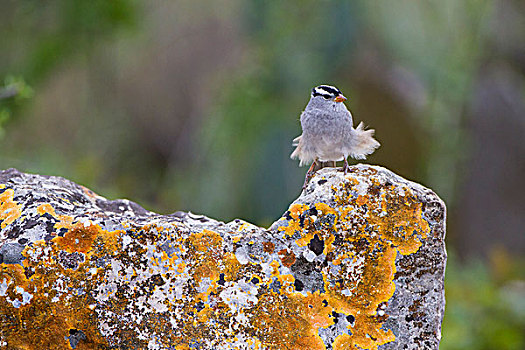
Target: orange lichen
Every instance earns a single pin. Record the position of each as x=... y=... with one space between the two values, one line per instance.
x=65 y=221
x=314 y=310
x=325 y=208
x=9 y=209
x=361 y=200
x=207 y=250
x=287 y=257
x=281 y=325
x=394 y=225
x=50 y=321
x=268 y=247
x=228 y=298
x=294 y=225
x=46 y=208
x=78 y=239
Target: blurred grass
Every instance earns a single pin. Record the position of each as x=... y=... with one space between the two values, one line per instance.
x=13 y=94
x=485 y=307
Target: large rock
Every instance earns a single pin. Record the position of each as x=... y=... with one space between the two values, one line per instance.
x=357 y=262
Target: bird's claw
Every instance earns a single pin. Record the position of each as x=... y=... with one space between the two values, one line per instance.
x=346 y=167
x=309 y=174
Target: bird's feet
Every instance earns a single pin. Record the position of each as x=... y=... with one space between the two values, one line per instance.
x=346 y=167
x=311 y=171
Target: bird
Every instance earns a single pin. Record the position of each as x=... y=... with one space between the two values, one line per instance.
x=328 y=134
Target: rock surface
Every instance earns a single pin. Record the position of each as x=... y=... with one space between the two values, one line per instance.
x=357 y=262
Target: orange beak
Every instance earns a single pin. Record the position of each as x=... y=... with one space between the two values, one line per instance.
x=340 y=98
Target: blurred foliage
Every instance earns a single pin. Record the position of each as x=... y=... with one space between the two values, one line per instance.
x=38 y=39
x=12 y=95
x=239 y=143
x=485 y=307
x=38 y=35
x=443 y=45
x=247 y=140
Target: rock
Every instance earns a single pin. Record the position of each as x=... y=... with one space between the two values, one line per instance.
x=357 y=261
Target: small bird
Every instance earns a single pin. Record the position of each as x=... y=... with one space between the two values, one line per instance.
x=328 y=132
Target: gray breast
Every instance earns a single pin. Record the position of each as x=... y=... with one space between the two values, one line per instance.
x=326 y=127
x=326 y=119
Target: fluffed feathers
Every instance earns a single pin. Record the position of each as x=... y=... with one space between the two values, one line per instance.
x=298 y=152
x=363 y=142
x=304 y=152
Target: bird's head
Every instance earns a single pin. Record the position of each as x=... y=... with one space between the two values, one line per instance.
x=328 y=93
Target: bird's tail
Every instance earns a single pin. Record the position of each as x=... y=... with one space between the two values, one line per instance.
x=364 y=142
x=299 y=152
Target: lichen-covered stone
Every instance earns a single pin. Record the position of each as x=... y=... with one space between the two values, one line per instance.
x=356 y=262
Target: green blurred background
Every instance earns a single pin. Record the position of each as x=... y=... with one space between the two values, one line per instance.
x=192 y=105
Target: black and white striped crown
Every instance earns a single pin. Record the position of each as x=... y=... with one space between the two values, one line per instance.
x=326 y=91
